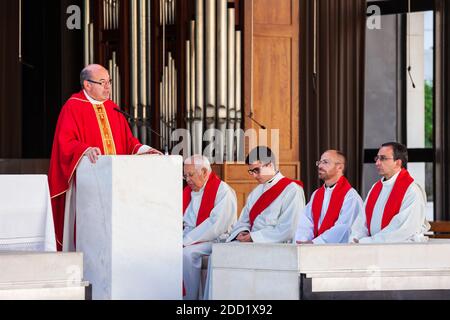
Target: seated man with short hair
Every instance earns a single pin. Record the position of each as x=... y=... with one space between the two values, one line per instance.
x=333 y=207
x=270 y=214
x=395 y=206
x=210 y=209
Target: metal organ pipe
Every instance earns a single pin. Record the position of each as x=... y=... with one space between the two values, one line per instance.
x=193 y=84
x=220 y=83
x=87 y=21
x=142 y=54
x=188 y=96
x=238 y=92
x=210 y=79
x=222 y=75
x=231 y=84
x=134 y=66
x=199 y=100
x=149 y=67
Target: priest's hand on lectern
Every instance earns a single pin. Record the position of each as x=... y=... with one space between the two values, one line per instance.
x=152 y=152
x=92 y=154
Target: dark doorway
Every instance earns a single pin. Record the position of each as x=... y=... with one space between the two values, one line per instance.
x=52 y=57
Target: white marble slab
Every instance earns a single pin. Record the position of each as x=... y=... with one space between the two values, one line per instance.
x=272 y=271
x=272 y=256
x=26 y=214
x=373 y=282
x=41 y=276
x=32 y=267
x=361 y=257
x=129 y=226
x=44 y=293
x=240 y=284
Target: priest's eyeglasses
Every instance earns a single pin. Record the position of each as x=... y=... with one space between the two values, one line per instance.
x=381 y=158
x=257 y=170
x=325 y=162
x=103 y=83
x=188 y=175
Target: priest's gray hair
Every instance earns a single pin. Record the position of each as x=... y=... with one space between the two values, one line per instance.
x=85 y=75
x=200 y=162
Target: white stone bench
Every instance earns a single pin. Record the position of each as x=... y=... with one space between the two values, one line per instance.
x=346 y=271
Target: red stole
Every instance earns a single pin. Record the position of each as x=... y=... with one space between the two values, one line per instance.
x=268 y=197
x=208 y=199
x=334 y=207
x=394 y=201
x=77 y=130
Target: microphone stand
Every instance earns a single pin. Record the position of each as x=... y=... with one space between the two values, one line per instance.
x=259 y=124
x=138 y=123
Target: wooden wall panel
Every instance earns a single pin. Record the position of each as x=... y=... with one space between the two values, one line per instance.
x=272 y=70
x=274 y=12
x=273 y=88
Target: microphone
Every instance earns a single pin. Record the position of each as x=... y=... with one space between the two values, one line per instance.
x=23 y=62
x=128 y=117
x=411 y=78
x=259 y=124
x=125 y=114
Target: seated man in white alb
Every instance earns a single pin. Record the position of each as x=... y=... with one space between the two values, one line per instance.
x=210 y=209
x=271 y=212
x=395 y=206
x=333 y=207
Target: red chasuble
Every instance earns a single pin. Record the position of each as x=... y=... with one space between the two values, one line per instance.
x=268 y=197
x=208 y=199
x=394 y=201
x=334 y=207
x=80 y=126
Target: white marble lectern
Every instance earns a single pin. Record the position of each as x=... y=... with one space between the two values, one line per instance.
x=129 y=226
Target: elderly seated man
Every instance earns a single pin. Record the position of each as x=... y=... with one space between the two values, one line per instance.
x=210 y=209
x=395 y=206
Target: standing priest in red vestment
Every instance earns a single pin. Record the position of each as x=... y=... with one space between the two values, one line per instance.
x=333 y=207
x=88 y=126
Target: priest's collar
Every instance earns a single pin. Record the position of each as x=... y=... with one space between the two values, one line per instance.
x=330 y=187
x=391 y=181
x=91 y=100
x=277 y=177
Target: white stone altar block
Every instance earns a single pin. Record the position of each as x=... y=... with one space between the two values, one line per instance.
x=26 y=219
x=41 y=276
x=129 y=226
x=248 y=271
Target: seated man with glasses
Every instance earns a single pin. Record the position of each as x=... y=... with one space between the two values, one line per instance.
x=209 y=209
x=395 y=206
x=88 y=125
x=271 y=211
x=333 y=207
